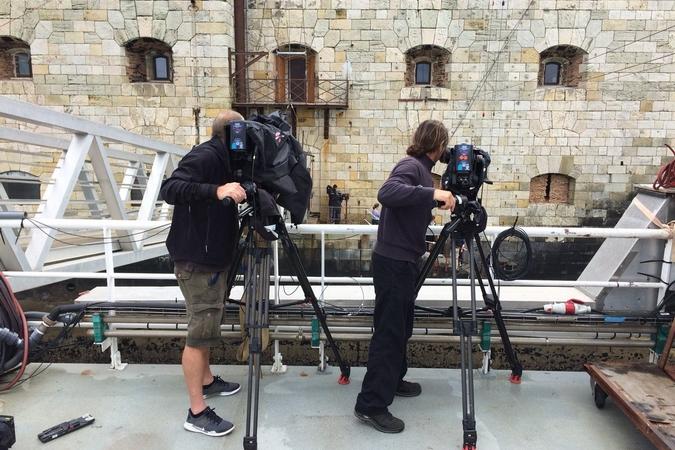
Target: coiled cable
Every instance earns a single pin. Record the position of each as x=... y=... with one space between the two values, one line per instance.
x=510 y=263
x=665 y=178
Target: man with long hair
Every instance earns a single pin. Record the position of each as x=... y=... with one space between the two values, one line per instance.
x=407 y=198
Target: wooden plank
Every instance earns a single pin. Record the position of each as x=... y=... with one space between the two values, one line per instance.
x=645 y=394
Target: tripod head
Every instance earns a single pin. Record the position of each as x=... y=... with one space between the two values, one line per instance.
x=471 y=214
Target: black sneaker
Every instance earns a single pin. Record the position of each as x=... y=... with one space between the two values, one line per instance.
x=220 y=387
x=383 y=422
x=208 y=423
x=408 y=389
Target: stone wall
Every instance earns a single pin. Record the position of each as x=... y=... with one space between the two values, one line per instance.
x=80 y=65
x=606 y=134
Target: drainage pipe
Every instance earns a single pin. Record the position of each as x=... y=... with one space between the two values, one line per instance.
x=306 y=337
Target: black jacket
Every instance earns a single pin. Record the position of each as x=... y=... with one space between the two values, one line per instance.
x=203 y=229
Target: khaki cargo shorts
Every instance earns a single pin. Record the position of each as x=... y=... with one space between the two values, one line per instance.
x=204 y=294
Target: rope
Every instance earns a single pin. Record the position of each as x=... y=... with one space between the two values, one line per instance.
x=665 y=178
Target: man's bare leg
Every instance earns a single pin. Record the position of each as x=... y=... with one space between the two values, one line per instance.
x=208 y=376
x=194 y=362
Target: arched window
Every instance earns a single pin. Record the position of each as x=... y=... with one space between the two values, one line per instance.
x=552 y=188
x=149 y=60
x=296 y=74
x=426 y=65
x=15 y=61
x=20 y=185
x=561 y=66
x=423 y=73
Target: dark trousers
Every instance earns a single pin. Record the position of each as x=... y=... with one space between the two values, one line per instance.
x=335 y=213
x=394 y=313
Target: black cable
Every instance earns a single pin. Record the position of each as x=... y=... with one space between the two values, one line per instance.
x=70 y=233
x=668 y=297
x=500 y=261
x=161 y=228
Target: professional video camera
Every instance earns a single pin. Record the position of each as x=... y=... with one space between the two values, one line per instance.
x=264 y=153
x=464 y=176
x=467 y=170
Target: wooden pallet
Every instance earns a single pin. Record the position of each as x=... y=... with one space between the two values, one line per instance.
x=644 y=392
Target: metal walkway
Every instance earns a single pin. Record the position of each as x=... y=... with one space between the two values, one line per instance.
x=81 y=164
x=145 y=406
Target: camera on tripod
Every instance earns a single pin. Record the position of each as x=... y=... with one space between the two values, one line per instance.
x=464 y=176
x=264 y=154
x=466 y=171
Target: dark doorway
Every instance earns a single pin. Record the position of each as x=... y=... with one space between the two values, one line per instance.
x=297 y=80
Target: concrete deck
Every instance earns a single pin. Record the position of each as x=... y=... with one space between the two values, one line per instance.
x=144 y=406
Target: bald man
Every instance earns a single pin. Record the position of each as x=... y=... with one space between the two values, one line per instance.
x=201 y=243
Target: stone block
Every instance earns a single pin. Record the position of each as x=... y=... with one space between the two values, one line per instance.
x=173 y=20
x=143 y=25
x=95 y=15
x=429 y=18
x=160 y=9
x=128 y=9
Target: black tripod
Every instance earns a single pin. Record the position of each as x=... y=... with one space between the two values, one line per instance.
x=257 y=307
x=468 y=221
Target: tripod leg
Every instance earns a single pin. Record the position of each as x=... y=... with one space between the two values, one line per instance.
x=238 y=256
x=493 y=303
x=435 y=251
x=259 y=312
x=468 y=328
x=468 y=412
x=296 y=262
x=250 y=439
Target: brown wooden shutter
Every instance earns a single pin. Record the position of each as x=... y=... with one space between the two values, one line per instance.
x=280 y=95
x=311 y=77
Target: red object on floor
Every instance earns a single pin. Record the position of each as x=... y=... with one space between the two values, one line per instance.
x=343 y=380
x=515 y=379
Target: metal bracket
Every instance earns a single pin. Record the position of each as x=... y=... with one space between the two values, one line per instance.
x=278 y=366
x=115 y=355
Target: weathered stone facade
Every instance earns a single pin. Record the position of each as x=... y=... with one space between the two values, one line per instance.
x=80 y=61
x=606 y=134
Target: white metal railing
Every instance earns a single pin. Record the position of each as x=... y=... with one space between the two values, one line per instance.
x=91 y=158
x=106 y=228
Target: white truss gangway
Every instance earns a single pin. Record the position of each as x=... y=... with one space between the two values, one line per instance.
x=84 y=170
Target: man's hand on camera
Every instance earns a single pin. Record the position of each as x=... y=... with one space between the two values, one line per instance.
x=445 y=199
x=232 y=190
